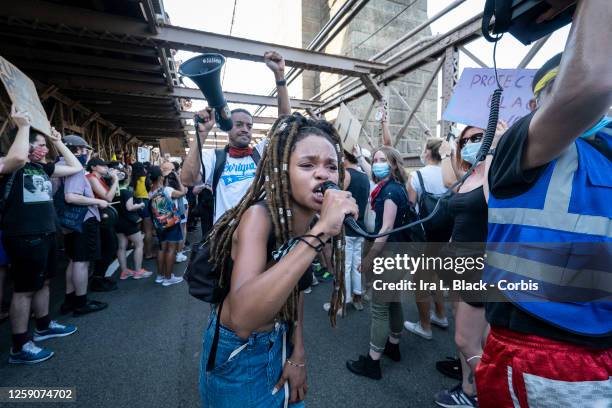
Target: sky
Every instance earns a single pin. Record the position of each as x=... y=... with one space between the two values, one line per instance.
x=279 y=22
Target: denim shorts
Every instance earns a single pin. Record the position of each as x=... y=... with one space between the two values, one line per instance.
x=172 y=234
x=246 y=371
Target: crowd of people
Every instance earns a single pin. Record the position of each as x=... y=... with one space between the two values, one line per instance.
x=270 y=225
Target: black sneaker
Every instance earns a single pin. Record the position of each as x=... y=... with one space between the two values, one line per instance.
x=366 y=367
x=102 y=285
x=392 y=351
x=91 y=307
x=451 y=367
x=66 y=307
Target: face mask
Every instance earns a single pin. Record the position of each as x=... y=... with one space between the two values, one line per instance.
x=422 y=157
x=381 y=170
x=600 y=125
x=82 y=158
x=38 y=153
x=470 y=151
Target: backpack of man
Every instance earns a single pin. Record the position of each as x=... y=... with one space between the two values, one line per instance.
x=440 y=226
x=164 y=212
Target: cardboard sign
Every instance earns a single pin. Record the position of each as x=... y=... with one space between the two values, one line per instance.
x=471 y=99
x=172 y=146
x=143 y=154
x=23 y=95
x=348 y=127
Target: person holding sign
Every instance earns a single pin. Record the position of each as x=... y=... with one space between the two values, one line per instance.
x=29 y=227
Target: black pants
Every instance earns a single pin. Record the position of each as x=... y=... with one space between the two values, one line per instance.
x=108 y=246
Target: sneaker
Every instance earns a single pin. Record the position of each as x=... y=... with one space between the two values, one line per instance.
x=30 y=354
x=315 y=281
x=417 y=329
x=145 y=273
x=455 y=398
x=327 y=276
x=103 y=285
x=308 y=290
x=140 y=274
x=66 y=308
x=327 y=306
x=128 y=273
x=181 y=257
x=366 y=367
x=440 y=322
x=54 y=330
x=451 y=367
x=392 y=351
x=159 y=279
x=90 y=307
x=173 y=280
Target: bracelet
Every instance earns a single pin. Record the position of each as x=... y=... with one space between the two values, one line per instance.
x=282 y=82
x=291 y=363
x=471 y=358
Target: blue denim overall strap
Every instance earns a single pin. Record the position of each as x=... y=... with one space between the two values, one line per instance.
x=244 y=371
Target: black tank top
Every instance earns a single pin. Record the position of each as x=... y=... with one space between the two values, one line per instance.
x=359 y=187
x=470 y=213
x=305 y=281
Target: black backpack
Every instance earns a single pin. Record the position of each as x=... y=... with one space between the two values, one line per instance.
x=441 y=224
x=206 y=199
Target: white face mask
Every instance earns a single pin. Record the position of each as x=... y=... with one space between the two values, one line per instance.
x=423 y=159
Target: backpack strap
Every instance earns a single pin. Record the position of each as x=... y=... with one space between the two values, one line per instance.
x=220 y=159
x=212 y=356
x=423 y=191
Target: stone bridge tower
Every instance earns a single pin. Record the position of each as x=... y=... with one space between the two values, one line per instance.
x=356 y=40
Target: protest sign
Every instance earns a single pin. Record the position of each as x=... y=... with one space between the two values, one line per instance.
x=471 y=99
x=143 y=154
x=23 y=95
x=348 y=127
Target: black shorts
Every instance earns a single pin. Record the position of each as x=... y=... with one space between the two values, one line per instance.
x=127 y=227
x=84 y=246
x=33 y=260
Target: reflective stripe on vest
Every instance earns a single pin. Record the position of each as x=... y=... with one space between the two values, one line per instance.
x=563 y=288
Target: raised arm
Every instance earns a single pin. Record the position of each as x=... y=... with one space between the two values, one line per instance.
x=582 y=91
x=100 y=191
x=17 y=155
x=276 y=63
x=192 y=172
x=386 y=133
x=73 y=165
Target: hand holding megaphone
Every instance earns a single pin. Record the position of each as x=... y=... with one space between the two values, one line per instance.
x=205 y=120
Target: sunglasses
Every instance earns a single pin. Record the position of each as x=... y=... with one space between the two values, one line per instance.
x=475 y=138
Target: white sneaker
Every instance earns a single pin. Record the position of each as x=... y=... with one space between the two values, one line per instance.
x=308 y=290
x=180 y=257
x=159 y=279
x=315 y=281
x=440 y=322
x=418 y=330
x=172 y=280
x=327 y=306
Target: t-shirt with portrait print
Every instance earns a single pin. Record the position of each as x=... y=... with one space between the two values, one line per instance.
x=29 y=208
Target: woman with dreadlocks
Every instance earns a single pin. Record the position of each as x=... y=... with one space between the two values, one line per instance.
x=259 y=359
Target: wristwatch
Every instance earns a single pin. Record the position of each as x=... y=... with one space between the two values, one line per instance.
x=282 y=82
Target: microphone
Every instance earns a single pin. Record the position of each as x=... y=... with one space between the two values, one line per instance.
x=349 y=221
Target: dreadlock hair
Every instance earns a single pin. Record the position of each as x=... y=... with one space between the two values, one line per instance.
x=272 y=184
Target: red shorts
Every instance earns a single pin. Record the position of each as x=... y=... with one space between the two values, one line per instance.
x=521 y=370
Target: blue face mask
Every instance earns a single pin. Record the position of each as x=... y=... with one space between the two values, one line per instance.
x=381 y=170
x=600 y=125
x=82 y=158
x=470 y=151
